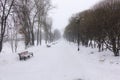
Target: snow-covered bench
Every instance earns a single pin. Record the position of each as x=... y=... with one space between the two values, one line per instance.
x=25 y=55
x=48 y=45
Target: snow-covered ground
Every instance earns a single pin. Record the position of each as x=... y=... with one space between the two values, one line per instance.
x=61 y=61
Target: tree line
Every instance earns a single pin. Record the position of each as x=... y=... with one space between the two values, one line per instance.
x=26 y=17
x=98 y=27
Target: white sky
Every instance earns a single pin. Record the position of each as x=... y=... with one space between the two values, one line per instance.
x=65 y=8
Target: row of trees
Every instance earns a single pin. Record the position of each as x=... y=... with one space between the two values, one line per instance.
x=98 y=26
x=26 y=17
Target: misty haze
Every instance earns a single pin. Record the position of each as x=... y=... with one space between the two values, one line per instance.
x=59 y=40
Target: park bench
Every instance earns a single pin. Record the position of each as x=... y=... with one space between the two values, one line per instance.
x=48 y=45
x=25 y=55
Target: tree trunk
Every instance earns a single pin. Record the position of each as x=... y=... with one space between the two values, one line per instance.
x=16 y=42
x=1 y=42
x=114 y=48
x=32 y=36
x=38 y=32
x=40 y=36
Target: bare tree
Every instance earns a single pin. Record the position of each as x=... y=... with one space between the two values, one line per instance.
x=99 y=24
x=5 y=9
x=57 y=34
x=42 y=6
x=47 y=29
x=26 y=13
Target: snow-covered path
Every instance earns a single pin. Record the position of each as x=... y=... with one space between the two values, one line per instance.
x=59 y=62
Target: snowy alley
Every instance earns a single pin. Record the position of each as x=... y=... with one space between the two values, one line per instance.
x=60 y=62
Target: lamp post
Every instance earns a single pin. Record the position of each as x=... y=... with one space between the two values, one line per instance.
x=78 y=34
